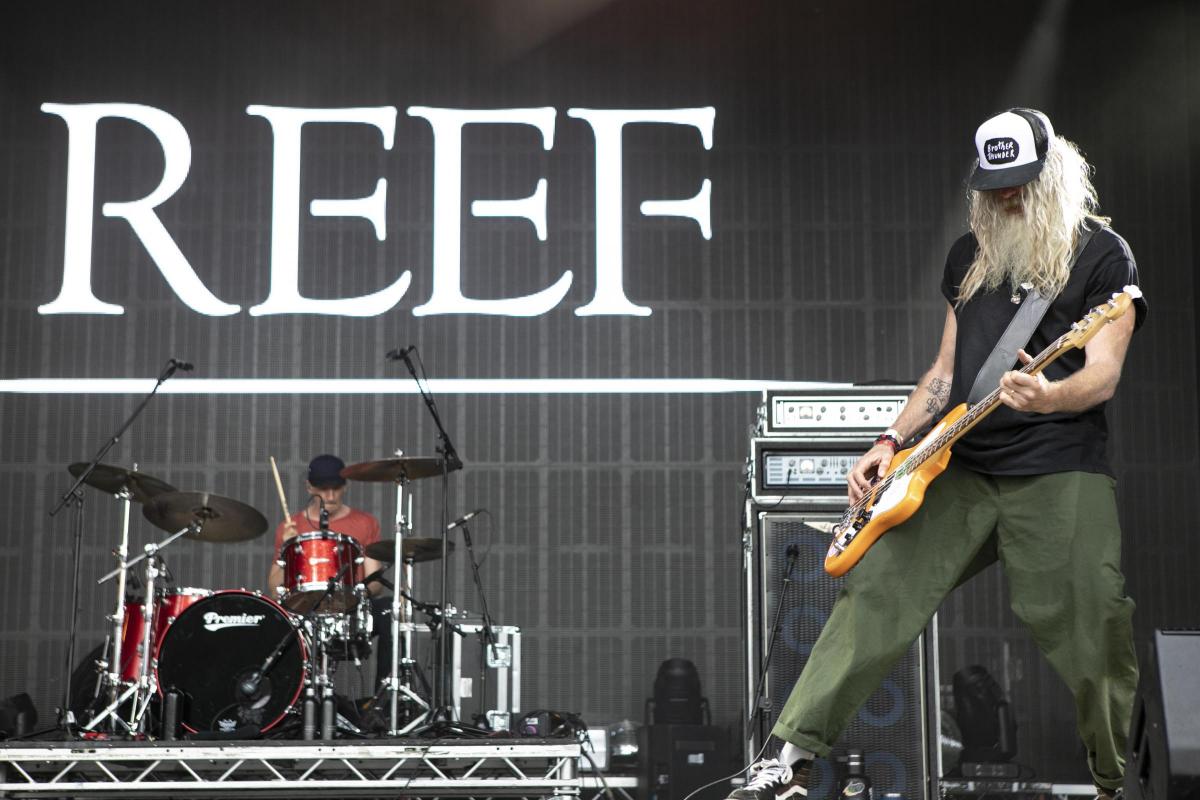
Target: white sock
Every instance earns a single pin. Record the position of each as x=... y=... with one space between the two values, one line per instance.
x=790 y=754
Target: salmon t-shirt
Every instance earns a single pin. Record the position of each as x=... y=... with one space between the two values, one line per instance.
x=358 y=524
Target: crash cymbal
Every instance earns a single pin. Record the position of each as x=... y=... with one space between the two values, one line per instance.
x=413 y=549
x=390 y=470
x=224 y=519
x=113 y=480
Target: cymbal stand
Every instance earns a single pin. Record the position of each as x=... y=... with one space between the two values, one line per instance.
x=399 y=681
x=115 y=697
x=143 y=688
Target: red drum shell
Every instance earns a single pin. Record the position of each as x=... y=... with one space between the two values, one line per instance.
x=171 y=605
x=310 y=561
x=133 y=631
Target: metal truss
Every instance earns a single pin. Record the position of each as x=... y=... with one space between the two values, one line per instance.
x=392 y=768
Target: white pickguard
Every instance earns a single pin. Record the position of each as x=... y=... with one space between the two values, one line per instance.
x=892 y=497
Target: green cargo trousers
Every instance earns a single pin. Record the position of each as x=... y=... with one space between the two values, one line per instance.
x=1059 y=542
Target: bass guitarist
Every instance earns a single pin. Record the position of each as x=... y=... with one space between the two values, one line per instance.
x=1030 y=485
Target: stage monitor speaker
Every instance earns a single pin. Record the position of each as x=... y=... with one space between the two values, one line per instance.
x=892 y=727
x=679 y=759
x=1163 y=757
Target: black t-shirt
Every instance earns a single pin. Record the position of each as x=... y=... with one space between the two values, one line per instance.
x=1009 y=442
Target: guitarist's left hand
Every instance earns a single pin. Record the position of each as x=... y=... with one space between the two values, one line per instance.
x=1031 y=393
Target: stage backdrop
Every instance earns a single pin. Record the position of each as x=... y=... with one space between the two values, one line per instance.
x=560 y=192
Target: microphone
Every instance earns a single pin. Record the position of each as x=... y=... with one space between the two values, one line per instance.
x=183 y=366
x=248 y=686
x=793 y=551
x=324 y=514
x=401 y=354
x=465 y=518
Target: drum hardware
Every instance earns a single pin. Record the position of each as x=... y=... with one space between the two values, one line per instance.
x=133 y=670
x=74 y=497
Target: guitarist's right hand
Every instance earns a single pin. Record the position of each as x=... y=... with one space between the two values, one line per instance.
x=870 y=468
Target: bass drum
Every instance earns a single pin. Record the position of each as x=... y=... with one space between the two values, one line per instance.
x=211 y=655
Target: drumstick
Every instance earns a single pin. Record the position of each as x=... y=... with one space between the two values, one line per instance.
x=287 y=515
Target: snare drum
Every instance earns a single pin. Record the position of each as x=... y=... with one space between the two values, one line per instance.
x=310 y=561
x=212 y=653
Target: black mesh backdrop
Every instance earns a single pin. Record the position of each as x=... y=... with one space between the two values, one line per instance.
x=839 y=147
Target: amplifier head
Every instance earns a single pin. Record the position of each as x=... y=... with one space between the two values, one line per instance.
x=803 y=473
x=837 y=411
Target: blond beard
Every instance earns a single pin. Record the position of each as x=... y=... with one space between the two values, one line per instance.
x=1012 y=258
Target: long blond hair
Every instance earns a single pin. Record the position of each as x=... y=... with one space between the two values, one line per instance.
x=1054 y=207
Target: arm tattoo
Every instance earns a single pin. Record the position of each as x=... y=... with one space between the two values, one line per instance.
x=939 y=393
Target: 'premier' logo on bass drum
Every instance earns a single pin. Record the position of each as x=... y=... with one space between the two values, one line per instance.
x=215 y=622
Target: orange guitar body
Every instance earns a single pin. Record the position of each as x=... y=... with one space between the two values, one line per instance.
x=897 y=504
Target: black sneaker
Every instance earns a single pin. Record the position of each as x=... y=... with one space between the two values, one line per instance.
x=773 y=780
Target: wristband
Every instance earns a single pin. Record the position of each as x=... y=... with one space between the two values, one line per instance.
x=889 y=437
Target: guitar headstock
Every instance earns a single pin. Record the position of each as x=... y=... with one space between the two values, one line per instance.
x=1083 y=330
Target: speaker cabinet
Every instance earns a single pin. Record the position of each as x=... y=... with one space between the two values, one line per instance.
x=678 y=759
x=891 y=728
x=1163 y=757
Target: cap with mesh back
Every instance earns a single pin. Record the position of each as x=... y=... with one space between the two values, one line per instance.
x=1012 y=149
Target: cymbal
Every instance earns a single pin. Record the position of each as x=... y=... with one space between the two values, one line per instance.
x=412 y=549
x=113 y=480
x=390 y=470
x=224 y=519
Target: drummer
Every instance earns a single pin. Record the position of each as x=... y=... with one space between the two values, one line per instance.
x=326 y=484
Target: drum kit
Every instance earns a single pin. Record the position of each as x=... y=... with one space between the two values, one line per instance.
x=237 y=662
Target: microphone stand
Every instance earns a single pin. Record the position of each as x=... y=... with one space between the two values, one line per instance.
x=450 y=462
x=488 y=633
x=793 y=553
x=74 y=497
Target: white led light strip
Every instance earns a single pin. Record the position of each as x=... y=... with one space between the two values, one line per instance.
x=313 y=386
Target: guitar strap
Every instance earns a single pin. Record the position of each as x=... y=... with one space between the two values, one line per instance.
x=1017 y=334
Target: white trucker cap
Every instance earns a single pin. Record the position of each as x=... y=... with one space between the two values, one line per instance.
x=1012 y=148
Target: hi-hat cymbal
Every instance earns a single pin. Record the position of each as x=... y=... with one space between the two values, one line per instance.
x=390 y=470
x=113 y=480
x=221 y=519
x=412 y=549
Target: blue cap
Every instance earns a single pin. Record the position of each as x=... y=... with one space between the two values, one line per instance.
x=326 y=471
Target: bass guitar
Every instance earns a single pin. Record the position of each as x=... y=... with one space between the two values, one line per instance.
x=896 y=496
